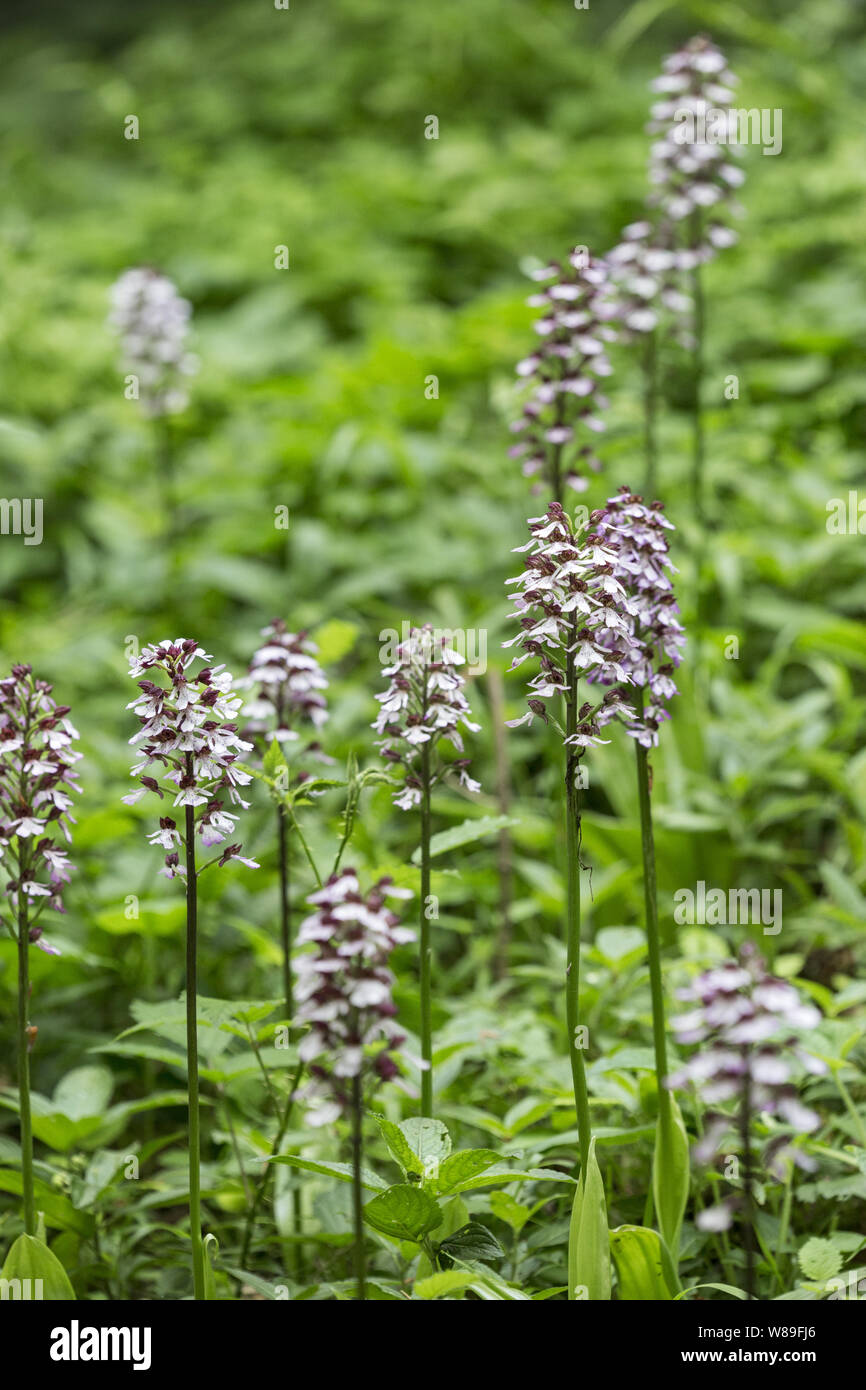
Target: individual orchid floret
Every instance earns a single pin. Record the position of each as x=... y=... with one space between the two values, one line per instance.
x=692 y=162
x=634 y=534
x=563 y=408
x=37 y=782
x=288 y=685
x=424 y=703
x=152 y=322
x=345 y=990
x=574 y=622
x=748 y=1026
x=189 y=746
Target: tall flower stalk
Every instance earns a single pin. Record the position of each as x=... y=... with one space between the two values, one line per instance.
x=345 y=992
x=573 y=620
x=748 y=1025
x=423 y=704
x=561 y=413
x=36 y=785
x=693 y=176
x=189 y=750
x=152 y=322
x=288 y=685
x=636 y=536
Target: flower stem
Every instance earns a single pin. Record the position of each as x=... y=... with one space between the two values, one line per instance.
x=748 y=1196
x=192 y=1058
x=426 y=947
x=650 y=413
x=268 y=1168
x=24 y=1067
x=357 y=1191
x=285 y=914
x=697 y=415
x=572 y=977
x=652 y=925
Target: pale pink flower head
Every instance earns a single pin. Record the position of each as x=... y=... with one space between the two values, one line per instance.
x=288 y=685
x=190 y=746
x=345 y=990
x=37 y=783
x=423 y=704
x=152 y=322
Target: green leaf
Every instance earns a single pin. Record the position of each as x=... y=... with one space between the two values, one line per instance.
x=56 y=1208
x=472 y=1242
x=274 y=761
x=819 y=1259
x=643 y=1264
x=83 y=1092
x=404 y=1212
x=670 y=1180
x=500 y=1173
x=34 y=1266
x=441 y=1285
x=343 y=1172
x=588 y=1239
x=465 y=834
x=400 y=1147
x=509 y=1210
x=335 y=639
x=460 y=1168
x=429 y=1140
x=210 y=1250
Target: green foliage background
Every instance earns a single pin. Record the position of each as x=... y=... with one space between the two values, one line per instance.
x=305 y=127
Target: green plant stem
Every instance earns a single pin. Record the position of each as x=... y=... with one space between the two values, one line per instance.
x=572 y=978
x=698 y=447
x=192 y=1058
x=426 y=947
x=748 y=1194
x=285 y=914
x=24 y=1067
x=650 y=412
x=357 y=1189
x=652 y=925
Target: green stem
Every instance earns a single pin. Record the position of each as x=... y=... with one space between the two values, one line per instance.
x=426 y=948
x=650 y=399
x=748 y=1193
x=698 y=450
x=357 y=1189
x=192 y=1058
x=652 y=925
x=262 y=1182
x=285 y=914
x=24 y=1067
x=572 y=977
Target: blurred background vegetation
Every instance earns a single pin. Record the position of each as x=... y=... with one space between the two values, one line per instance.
x=306 y=128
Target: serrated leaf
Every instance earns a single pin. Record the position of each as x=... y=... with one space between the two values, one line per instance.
x=441 y=1285
x=819 y=1259
x=472 y=1242
x=400 y=1147
x=428 y=1139
x=404 y=1212
x=460 y=1168
x=465 y=834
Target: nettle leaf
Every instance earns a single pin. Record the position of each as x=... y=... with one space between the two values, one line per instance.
x=404 y=1212
x=819 y=1259
x=400 y=1147
x=500 y=1173
x=460 y=1168
x=429 y=1140
x=274 y=761
x=472 y=1242
x=30 y=1260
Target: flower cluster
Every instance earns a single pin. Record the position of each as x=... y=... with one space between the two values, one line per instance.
x=288 y=683
x=564 y=371
x=345 y=988
x=573 y=614
x=646 y=277
x=635 y=535
x=36 y=781
x=152 y=322
x=691 y=168
x=188 y=730
x=749 y=1025
x=424 y=702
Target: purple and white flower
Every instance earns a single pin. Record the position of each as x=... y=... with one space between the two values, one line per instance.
x=424 y=703
x=564 y=406
x=37 y=780
x=152 y=321
x=345 y=990
x=288 y=685
x=189 y=746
